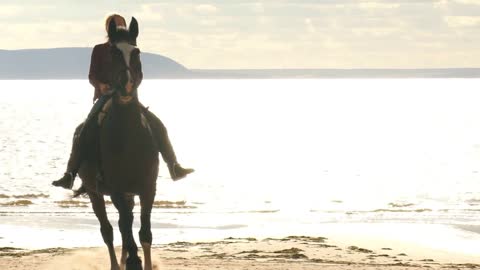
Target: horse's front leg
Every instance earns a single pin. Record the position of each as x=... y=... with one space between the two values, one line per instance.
x=98 y=205
x=145 y=233
x=124 y=204
x=123 y=258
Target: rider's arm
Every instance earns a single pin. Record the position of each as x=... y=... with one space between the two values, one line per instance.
x=94 y=70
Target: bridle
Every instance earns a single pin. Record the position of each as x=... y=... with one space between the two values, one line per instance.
x=123 y=76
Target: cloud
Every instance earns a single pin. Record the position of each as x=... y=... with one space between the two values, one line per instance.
x=206 y=9
x=208 y=22
x=310 y=26
x=258 y=7
x=150 y=13
x=378 y=5
x=376 y=31
x=469 y=2
x=10 y=11
x=462 y=21
x=266 y=33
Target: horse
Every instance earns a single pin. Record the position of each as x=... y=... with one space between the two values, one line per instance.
x=126 y=158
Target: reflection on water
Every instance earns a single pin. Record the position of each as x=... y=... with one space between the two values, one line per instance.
x=288 y=153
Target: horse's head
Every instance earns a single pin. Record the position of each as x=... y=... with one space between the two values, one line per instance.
x=123 y=50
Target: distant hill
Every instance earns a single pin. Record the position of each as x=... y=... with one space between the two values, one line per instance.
x=73 y=63
x=336 y=73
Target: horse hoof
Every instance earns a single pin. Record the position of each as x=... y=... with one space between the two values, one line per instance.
x=134 y=263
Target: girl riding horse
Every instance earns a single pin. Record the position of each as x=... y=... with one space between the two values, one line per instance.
x=101 y=78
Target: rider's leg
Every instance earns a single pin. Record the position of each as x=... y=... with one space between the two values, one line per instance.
x=160 y=134
x=80 y=144
x=67 y=180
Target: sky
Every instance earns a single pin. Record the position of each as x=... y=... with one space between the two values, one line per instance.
x=230 y=34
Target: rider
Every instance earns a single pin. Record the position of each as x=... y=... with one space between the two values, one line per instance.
x=100 y=77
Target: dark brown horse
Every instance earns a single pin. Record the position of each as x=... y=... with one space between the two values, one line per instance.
x=128 y=158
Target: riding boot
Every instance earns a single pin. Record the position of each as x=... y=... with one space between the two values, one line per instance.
x=160 y=135
x=80 y=144
x=177 y=172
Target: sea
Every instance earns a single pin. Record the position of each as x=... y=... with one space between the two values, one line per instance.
x=387 y=158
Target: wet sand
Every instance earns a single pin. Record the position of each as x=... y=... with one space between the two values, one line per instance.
x=293 y=252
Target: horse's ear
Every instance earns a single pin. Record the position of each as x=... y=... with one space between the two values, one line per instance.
x=133 y=28
x=112 y=29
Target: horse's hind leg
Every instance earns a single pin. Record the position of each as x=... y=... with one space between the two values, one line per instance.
x=124 y=204
x=98 y=205
x=145 y=234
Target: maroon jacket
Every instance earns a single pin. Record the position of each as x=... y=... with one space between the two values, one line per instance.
x=100 y=71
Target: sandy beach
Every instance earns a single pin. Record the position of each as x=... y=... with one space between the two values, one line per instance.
x=293 y=252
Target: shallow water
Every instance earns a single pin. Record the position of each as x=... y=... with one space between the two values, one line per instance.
x=272 y=157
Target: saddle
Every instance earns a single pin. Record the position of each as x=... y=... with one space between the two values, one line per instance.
x=106 y=108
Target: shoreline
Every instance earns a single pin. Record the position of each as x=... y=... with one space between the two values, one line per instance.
x=442 y=243
x=293 y=252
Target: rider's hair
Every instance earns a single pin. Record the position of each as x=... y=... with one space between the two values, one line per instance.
x=111 y=17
